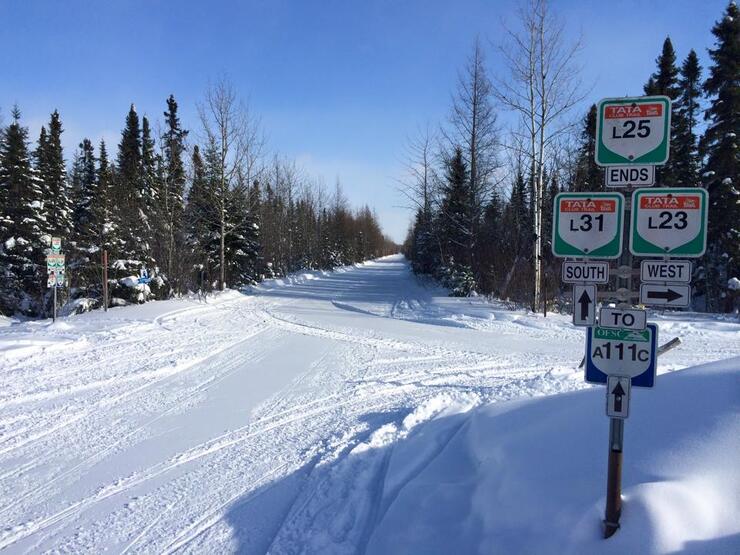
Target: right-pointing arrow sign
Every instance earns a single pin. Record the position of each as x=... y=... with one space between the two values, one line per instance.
x=668 y=294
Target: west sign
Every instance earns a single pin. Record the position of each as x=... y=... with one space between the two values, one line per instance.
x=587 y=225
x=633 y=131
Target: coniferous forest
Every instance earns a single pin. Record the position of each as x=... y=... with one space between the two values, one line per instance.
x=194 y=215
x=483 y=197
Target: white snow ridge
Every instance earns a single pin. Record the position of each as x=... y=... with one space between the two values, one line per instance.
x=357 y=411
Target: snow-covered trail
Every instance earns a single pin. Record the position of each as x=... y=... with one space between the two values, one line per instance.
x=260 y=422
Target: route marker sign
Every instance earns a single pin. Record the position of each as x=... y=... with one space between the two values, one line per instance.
x=54 y=262
x=56 y=244
x=588 y=225
x=585 y=272
x=624 y=318
x=633 y=131
x=635 y=176
x=669 y=222
x=622 y=352
x=584 y=305
x=667 y=295
x=618 y=396
x=661 y=271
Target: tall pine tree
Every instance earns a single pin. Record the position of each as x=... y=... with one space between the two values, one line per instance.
x=172 y=201
x=587 y=176
x=720 y=145
x=665 y=82
x=52 y=173
x=23 y=238
x=129 y=214
x=685 y=153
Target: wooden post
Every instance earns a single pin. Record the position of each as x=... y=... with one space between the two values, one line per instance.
x=105 y=280
x=614 y=478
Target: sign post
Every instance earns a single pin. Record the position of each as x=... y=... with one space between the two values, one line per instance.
x=55 y=273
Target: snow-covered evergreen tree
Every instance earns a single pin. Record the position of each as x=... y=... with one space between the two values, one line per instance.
x=23 y=239
x=52 y=173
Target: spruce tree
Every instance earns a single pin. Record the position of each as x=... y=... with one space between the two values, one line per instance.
x=52 y=172
x=197 y=217
x=148 y=194
x=456 y=233
x=665 y=82
x=722 y=166
x=23 y=240
x=685 y=154
x=172 y=203
x=587 y=176
x=106 y=231
x=129 y=207
x=84 y=195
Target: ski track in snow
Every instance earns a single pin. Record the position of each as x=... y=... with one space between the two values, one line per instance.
x=262 y=422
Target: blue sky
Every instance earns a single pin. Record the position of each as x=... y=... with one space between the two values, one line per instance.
x=339 y=85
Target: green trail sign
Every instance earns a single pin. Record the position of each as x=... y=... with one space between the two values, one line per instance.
x=633 y=130
x=669 y=222
x=587 y=225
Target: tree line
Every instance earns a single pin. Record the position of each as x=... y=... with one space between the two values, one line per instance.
x=483 y=198
x=195 y=215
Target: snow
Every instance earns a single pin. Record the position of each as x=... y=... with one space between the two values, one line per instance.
x=352 y=411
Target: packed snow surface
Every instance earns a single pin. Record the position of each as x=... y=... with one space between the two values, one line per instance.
x=359 y=411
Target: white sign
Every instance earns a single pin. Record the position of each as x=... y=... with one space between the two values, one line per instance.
x=585 y=272
x=622 y=352
x=56 y=244
x=624 y=318
x=584 y=305
x=633 y=130
x=669 y=221
x=618 y=396
x=635 y=176
x=660 y=271
x=668 y=295
x=588 y=225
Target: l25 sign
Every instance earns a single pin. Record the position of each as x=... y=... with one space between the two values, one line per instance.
x=633 y=130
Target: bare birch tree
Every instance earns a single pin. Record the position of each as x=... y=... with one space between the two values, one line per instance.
x=542 y=86
x=235 y=134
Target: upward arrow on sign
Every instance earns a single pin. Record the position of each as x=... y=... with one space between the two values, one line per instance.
x=585 y=302
x=618 y=393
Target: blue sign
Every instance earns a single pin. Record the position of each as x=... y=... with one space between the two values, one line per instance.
x=144 y=276
x=622 y=352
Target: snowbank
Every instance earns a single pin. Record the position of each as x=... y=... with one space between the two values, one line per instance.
x=530 y=476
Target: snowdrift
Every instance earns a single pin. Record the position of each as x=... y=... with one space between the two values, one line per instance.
x=530 y=476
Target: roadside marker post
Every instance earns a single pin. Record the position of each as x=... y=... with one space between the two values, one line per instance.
x=632 y=137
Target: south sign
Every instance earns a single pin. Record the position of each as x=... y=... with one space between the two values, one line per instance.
x=588 y=225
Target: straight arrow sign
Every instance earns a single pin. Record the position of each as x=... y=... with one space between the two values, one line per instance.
x=618 y=396
x=668 y=294
x=584 y=305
